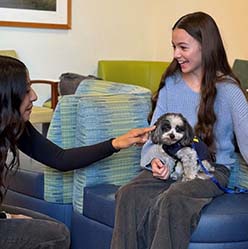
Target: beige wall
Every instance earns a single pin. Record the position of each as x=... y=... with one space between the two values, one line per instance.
x=230 y=15
x=120 y=29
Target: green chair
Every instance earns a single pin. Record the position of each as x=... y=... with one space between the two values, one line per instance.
x=240 y=68
x=142 y=73
x=10 y=52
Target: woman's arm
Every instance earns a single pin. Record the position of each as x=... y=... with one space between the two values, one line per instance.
x=43 y=150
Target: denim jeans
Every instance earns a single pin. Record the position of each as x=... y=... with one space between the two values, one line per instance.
x=41 y=232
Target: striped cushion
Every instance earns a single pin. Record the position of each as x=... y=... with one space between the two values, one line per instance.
x=58 y=185
x=101 y=117
x=71 y=126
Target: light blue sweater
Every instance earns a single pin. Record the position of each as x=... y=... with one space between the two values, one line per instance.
x=231 y=109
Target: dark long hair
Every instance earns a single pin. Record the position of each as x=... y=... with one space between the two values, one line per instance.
x=13 y=87
x=215 y=66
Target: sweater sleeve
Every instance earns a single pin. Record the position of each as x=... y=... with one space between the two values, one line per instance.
x=43 y=150
x=239 y=109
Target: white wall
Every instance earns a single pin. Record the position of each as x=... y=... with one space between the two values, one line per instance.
x=119 y=29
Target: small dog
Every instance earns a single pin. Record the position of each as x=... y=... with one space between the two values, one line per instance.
x=179 y=150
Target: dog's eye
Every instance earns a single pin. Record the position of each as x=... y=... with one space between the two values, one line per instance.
x=166 y=127
x=180 y=129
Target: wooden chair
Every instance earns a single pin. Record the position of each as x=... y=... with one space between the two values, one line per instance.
x=40 y=114
x=43 y=114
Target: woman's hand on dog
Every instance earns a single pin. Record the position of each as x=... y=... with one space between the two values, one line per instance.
x=136 y=136
x=160 y=170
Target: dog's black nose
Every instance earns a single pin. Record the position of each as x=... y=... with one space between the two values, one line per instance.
x=172 y=136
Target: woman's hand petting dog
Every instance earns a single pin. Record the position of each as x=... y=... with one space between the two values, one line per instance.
x=136 y=136
x=160 y=170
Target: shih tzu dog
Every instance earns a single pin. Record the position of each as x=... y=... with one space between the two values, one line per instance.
x=179 y=149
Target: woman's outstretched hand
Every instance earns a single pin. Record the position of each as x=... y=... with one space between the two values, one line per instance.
x=136 y=136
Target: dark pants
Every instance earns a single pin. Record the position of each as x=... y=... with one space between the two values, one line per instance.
x=161 y=214
x=40 y=232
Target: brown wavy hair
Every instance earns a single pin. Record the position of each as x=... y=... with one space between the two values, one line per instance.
x=13 y=87
x=215 y=66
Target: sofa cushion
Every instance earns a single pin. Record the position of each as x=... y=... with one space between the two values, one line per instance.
x=98 y=111
x=99 y=203
x=58 y=185
x=225 y=219
x=28 y=182
x=100 y=117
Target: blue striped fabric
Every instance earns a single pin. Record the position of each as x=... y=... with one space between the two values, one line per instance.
x=98 y=110
x=101 y=117
x=58 y=186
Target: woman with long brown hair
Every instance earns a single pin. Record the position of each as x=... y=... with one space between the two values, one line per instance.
x=22 y=228
x=154 y=211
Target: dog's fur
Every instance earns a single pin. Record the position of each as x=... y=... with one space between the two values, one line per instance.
x=172 y=128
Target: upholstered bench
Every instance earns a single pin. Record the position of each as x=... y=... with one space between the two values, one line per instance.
x=223 y=223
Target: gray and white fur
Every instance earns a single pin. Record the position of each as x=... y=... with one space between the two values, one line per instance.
x=172 y=129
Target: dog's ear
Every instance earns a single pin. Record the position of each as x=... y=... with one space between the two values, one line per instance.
x=189 y=134
x=155 y=134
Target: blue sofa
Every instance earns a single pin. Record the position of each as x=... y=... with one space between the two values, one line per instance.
x=84 y=199
x=223 y=224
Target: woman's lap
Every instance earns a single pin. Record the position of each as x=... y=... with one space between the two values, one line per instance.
x=148 y=197
x=39 y=232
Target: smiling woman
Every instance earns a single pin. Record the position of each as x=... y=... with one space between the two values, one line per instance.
x=199 y=84
x=46 y=5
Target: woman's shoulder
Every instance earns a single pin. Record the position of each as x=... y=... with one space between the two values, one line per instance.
x=174 y=79
x=232 y=94
x=228 y=87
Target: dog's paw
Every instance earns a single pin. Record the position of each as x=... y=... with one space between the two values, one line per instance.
x=203 y=176
x=187 y=179
x=208 y=166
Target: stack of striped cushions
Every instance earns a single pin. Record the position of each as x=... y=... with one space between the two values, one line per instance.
x=99 y=110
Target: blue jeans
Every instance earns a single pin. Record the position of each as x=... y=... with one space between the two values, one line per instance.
x=41 y=232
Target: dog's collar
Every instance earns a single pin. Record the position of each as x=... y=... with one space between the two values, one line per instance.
x=171 y=150
x=197 y=144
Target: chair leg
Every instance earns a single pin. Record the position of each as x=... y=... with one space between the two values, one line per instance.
x=44 y=129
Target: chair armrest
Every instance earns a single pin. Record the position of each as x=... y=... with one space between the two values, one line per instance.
x=54 y=90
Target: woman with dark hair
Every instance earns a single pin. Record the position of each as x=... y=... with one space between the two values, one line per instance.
x=154 y=211
x=22 y=228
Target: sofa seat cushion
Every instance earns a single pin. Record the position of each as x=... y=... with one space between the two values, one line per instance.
x=28 y=182
x=224 y=220
x=99 y=203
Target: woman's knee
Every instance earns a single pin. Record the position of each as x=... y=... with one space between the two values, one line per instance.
x=55 y=235
x=124 y=192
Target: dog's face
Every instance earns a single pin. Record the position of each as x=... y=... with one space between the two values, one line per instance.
x=172 y=128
